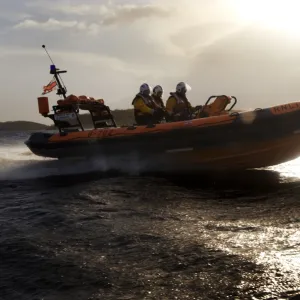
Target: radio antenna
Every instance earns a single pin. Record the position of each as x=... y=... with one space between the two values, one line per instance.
x=48 y=54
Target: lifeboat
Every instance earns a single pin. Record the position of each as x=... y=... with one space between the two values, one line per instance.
x=215 y=139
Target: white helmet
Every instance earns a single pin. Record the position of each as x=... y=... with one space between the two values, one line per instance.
x=158 y=90
x=182 y=88
x=145 y=89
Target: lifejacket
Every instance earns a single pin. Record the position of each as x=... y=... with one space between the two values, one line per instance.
x=148 y=101
x=158 y=101
x=181 y=103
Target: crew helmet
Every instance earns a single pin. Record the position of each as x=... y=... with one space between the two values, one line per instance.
x=158 y=91
x=145 y=89
x=182 y=88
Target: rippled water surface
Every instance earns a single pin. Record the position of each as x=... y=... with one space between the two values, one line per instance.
x=68 y=233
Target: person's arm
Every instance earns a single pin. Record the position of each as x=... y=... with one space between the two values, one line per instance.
x=170 y=104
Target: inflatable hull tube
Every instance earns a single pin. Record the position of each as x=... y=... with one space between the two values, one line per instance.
x=252 y=139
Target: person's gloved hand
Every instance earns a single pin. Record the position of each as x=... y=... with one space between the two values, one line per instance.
x=198 y=107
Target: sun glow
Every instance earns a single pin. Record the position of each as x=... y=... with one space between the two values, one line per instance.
x=282 y=15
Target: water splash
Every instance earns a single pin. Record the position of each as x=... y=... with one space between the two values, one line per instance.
x=17 y=162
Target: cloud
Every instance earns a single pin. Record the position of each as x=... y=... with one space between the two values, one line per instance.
x=143 y=42
x=13 y=16
x=56 y=25
x=50 y=24
x=107 y=14
x=132 y=13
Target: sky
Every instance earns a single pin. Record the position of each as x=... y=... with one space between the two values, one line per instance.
x=246 y=48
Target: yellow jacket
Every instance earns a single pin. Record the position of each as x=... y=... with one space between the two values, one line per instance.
x=143 y=104
x=177 y=104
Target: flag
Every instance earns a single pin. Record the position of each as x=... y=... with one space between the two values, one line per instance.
x=50 y=86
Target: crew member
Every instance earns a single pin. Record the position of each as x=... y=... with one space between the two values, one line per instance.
x=157 y=96
x=145 y=110
x=178 y=107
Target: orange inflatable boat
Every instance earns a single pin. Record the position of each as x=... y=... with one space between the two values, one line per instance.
x=217 y=139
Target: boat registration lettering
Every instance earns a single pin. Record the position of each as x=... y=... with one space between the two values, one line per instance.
x=281 y=109
x=104 y=132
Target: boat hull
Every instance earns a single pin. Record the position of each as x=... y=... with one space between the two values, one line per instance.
x=247 y=140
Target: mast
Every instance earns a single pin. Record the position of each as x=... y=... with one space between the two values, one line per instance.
x=62 y=90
